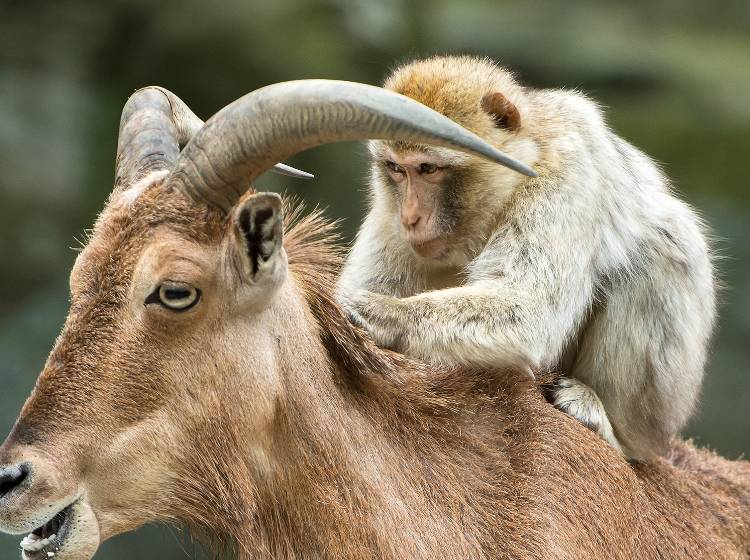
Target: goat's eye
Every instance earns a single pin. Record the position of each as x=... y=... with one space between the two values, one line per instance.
x=394 y=167
x=175 y=296
x=427 y=168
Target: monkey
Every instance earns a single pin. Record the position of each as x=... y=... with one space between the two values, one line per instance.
x=594 y=268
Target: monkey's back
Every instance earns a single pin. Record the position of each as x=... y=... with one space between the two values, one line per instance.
x=643 y=342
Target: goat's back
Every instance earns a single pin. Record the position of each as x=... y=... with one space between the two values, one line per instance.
x=690 y=504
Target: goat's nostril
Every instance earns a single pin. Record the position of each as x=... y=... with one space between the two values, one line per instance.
x=12 y=477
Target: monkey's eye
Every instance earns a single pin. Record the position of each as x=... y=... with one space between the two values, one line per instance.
x=428 y=168
x=176 y=296
x=394 y=167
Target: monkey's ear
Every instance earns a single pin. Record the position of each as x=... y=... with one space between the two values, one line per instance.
x=504 y=113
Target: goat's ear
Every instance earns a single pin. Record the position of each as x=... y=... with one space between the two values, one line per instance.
x=258 y=234
x=502 y=110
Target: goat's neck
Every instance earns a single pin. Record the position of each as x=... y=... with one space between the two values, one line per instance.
x=342 y=484
x=337 y=480
x=340 y=479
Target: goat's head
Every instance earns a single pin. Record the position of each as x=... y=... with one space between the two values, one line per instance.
x=180 y=303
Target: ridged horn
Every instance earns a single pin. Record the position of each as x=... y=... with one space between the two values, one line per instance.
x=246 y=137
x=155 y=125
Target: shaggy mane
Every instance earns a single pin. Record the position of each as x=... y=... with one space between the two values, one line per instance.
x=316 y=255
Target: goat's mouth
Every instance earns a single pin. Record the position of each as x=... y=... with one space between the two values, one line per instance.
x=46 y=541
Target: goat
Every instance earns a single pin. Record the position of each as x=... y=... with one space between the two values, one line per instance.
x=205 y=376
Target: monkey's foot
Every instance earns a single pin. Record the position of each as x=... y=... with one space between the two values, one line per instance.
x=582 y=403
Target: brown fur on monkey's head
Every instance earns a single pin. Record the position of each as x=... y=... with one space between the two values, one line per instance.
x=451 y=212
x=473 y=91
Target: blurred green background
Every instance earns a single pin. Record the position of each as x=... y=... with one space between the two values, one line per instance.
x=674 y=75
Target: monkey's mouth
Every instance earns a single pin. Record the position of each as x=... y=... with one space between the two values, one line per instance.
x=429 y=248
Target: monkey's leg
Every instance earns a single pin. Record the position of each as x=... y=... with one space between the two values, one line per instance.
x=643 y=354
x=582 y=403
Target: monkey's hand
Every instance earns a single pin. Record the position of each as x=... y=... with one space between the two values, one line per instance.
x=379 y=315
x=426 y=330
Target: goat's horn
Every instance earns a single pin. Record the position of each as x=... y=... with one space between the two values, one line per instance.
x=289 y=171
x=155 y=125
x=245 y=138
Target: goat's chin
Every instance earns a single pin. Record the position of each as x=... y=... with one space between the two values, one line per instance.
x=75 y=536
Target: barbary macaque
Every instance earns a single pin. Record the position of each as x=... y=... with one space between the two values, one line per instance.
x=594 y=268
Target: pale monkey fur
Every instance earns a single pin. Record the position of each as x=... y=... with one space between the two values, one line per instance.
x=594 y=268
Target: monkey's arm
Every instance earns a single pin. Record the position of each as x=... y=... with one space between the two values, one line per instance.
x=525 y=296
x=464 y=325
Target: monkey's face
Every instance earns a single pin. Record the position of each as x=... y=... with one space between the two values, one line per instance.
x=444 y=203
x=426 y=186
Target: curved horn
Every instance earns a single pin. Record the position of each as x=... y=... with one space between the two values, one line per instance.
x=155 y=125
x=289 y=171
x=245 y=138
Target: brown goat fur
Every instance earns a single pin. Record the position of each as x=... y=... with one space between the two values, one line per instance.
x=356 y=452
x=488 y=467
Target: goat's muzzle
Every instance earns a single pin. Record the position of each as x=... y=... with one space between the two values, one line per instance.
x=38 y=499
